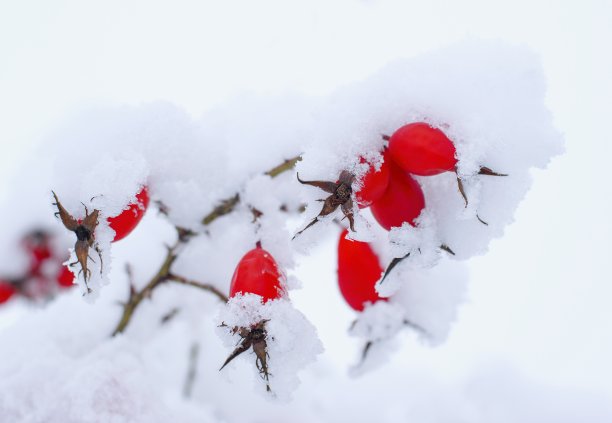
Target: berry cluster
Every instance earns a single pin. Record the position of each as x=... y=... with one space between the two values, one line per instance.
x=44 y=273
x=390 y=191
x=394 y=198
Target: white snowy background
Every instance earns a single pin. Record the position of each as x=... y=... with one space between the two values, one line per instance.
x=532 y=341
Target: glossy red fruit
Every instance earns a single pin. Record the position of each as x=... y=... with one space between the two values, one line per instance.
x=257 y=273
x=421 y=149
x=402 y=202
x=125 y=222
x=358 y=272
x=65 y=278
x=7 y=290
x=374 y=184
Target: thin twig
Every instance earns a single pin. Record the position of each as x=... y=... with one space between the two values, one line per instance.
x=192 y=371
x=398 y=260
x=283 y=167
x=227 y=205
x=204 y=286
x=164 y=274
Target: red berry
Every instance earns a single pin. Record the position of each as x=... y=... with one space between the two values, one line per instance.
x=402 y=202
x=125 y=222
x=421 y=149
x=257 y=273
x=39 y=256
x=374 y=184
x=358 y=272
x=7 y=290
x=65 y=277
x=37 y=244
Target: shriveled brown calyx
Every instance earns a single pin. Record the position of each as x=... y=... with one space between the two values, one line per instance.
x=85 y=233
x=340 y=196
x=253 y=337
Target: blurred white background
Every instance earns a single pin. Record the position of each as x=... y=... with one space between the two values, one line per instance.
x=539 y=313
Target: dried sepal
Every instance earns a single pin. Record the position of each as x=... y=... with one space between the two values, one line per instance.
x=69 y=222
x=341 y=196
x=482 y=171
x=85 y=233
x=254 y=337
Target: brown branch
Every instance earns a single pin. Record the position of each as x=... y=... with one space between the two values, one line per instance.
x=163 y=275
x=136 y=297
x=222 y=209
x=227 y=205
x=204 y=286
x=283 y=167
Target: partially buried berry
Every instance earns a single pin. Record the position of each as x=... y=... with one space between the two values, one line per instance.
x=421 y=149
x=358 y=271
x=65 y=278
x=402 y=202
x=373 y=184
x=257 y=273
x=125 y=222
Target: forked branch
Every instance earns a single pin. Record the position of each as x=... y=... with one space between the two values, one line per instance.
x=164 y=274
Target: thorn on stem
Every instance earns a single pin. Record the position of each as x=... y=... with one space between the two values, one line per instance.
x=446 y=248
x=486 y=171
x=481 y=221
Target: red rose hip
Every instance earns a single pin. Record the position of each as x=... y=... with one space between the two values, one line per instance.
x=358 y=272
x=402 y=202
x=128 y=219
x=65 y=278
x=421 y=149
x=257 y=273
x=374 y=184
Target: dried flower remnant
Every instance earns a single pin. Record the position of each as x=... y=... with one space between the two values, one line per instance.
x=253 y=337
x=85 y=233
x=341 y=196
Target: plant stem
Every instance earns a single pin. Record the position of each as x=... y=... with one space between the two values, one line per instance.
x=136 y=297
x=283 y=167
x=227 y=205
x=204 y=286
